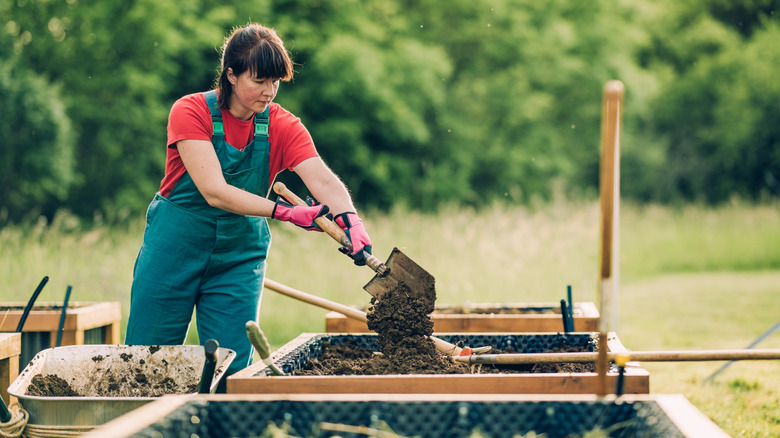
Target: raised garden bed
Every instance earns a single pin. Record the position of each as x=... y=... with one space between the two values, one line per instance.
x=76 y=388
x=10 y=347
x=85 y=323
x=427 y=415
x=295 y=356
x=489 y=317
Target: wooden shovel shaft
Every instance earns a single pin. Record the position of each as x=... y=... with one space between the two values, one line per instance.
x=641 y=356
x=330 y=228
x=442 y=346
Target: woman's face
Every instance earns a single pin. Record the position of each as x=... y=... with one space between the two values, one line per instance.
x=250 y=94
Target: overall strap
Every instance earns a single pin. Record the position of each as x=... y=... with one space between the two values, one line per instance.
x=261 y=125
x=261 y=119
x=216 y=114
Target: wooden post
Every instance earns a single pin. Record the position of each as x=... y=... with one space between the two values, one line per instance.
x=609 y=191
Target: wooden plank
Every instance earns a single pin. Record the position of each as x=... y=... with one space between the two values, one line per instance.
x=97 y=315
x=559 y=383
x=691 y=421
x=80 y=316
x=10 y=348
x=10 y=344
x=586 y=320
x=111 y=333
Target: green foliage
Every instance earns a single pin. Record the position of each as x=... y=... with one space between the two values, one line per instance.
x=712 y=131
x=419 y=103
x=36 y=170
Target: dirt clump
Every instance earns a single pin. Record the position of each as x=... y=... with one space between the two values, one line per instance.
x=50 y=385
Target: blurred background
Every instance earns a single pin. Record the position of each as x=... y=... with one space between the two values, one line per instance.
x=414 y=103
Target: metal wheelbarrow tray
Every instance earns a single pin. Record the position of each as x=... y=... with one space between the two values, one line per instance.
x=88 y=368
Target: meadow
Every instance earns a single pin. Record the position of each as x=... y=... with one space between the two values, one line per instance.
x=689 y=278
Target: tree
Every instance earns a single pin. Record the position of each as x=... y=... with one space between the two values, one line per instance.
x=37 y=163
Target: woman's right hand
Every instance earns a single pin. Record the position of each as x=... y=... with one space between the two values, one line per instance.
x=300 y=215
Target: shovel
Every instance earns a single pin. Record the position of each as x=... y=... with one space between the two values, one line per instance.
x=442 y=346
x=399 y=269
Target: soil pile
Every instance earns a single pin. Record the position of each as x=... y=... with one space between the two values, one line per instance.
x=403 y=325
x=50 y=385
x=350 y=359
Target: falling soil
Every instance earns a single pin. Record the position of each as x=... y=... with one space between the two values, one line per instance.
x=403 y=325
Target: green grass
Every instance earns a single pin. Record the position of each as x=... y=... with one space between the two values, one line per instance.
x=690 y=278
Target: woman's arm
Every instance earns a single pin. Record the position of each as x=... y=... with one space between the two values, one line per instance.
x=327 y=188
x=324 y=185
x=203 y=166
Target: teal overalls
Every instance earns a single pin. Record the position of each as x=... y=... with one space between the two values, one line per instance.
x=195 y=255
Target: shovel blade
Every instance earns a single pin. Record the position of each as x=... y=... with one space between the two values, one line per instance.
x=403 y=271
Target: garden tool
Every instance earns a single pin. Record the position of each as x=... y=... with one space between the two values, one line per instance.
x=640 y=356
x=442 y=346
x=30 y=303
x=211 y=348
x=260 y=342
x=62 y=315
x=399 y=269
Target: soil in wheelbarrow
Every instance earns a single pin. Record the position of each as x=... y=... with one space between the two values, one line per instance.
x=122 y=376
x=403 y=325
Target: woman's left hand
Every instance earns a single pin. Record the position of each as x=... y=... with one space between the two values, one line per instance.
x=361 y=243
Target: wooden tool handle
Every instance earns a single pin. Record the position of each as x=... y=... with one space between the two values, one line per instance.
x=258 y=339
x=331 y=228
x=442 y=346
x=640 y=356
x=207 y=375
x=324 y=223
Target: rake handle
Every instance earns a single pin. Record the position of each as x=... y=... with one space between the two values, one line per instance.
x=640 y=356
x=331 y=228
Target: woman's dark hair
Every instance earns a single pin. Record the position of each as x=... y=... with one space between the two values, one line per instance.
x=254 y=48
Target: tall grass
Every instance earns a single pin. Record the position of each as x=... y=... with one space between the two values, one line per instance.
x=690 y=278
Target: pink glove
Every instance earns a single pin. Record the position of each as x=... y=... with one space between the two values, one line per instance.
x=300 y=215
x=361 y=243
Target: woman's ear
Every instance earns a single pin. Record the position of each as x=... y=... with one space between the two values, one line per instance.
x=230 y=76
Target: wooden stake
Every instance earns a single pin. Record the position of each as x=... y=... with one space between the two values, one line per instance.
x=609 y=196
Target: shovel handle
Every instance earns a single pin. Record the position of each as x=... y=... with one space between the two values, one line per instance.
x=330 y=227
x=324 y=223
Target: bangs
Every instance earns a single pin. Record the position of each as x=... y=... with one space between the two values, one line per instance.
x=268 y=60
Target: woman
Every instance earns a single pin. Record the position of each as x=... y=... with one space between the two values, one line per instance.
x=206 y=236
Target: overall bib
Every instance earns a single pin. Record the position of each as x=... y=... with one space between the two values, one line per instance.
x=195 y=255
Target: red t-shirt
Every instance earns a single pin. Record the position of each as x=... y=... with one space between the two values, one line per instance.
x=190 y=119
